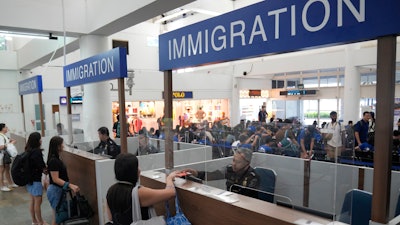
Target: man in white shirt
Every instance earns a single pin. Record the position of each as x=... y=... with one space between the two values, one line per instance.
x=334 y=134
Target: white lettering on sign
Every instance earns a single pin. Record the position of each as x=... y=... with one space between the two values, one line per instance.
x=29 y=85
x=91 y=69
x=217 y=39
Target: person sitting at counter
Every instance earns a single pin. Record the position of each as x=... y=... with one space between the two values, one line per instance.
x=238 y=175
x=106 y=146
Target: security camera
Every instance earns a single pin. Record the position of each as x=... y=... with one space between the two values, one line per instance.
x=244 y=73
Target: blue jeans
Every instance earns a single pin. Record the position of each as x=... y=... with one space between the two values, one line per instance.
x=54 y=193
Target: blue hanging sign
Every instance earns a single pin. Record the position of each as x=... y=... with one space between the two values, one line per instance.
x=104 y=66
x=30 y=85
x=276 y=26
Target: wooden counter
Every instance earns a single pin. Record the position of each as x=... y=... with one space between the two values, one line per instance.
x=207 y=209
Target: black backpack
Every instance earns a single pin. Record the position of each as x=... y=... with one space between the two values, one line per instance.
x=20 y=170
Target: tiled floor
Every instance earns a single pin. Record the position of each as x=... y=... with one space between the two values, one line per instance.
x=14 y=207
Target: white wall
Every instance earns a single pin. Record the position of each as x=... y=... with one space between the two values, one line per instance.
x=8 y=60
x=10 y=110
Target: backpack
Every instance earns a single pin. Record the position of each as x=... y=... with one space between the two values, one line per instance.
x=20 y=170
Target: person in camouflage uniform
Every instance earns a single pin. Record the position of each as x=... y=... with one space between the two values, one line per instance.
x=238 y=175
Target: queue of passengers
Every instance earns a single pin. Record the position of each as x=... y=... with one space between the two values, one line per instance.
x=283 y=137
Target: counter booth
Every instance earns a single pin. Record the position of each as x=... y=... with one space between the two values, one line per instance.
x=292 y=190
x=296 y=191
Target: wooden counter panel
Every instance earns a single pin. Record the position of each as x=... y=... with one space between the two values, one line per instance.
x=82 y=172
x=201 y=209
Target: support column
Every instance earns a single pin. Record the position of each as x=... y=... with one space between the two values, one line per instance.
x=352 y=79
x=234 y=103
x=169 y=142
x=386 y=77
x=96 y=107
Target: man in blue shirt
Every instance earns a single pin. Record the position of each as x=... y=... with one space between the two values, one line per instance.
x=306 y=139
x=361 y=130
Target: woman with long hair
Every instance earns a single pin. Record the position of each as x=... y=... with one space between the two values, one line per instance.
x=119 y=195
x=37 y=166
x=58 y=174
x=5 y=168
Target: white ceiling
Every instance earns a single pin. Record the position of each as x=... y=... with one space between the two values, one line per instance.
x=97 y=17
x=104 y=17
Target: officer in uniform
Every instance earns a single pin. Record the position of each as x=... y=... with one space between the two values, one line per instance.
x=106 y=146
x=240 y=176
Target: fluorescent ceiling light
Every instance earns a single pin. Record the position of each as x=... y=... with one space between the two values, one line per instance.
x=8 y=34
x=207 y=12
x=173 y=15
x=184 y=11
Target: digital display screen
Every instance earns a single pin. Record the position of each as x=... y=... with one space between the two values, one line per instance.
x=254 y=92
x=76 y=100
x=298 y=92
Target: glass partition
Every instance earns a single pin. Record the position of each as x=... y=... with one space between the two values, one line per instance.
x=305 y=179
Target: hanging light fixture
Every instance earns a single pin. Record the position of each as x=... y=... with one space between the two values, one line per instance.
x=10 y=34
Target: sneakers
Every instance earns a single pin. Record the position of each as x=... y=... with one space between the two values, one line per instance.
x=4 y=188
x=13 y=186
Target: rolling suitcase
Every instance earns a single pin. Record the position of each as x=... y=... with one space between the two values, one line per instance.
x=77 y=221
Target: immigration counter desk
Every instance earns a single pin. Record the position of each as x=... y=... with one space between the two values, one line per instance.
x=203 y=204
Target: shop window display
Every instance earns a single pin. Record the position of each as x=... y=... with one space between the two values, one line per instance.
x=149 y=114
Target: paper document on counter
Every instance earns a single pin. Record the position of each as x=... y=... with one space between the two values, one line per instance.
x=219 y=194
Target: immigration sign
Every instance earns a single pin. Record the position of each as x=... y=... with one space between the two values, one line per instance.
x=105 y=66
x=277 y=26
x=30 y=85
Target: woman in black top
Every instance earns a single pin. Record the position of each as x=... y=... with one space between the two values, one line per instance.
x=37 y=166
x=119 y=195
x=58 y=174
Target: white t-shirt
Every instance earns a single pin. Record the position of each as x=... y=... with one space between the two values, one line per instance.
x=336 y=129
x=4 y=139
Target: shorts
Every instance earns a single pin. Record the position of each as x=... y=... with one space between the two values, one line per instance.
x=331 y=151
x=35 y=189
x=54 y=193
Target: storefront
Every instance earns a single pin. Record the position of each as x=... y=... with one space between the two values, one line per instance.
x=251 y=102
x=185 y=112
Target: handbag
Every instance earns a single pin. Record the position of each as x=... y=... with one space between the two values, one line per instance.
x=72 y=207
x=84 y=208
x=12 y=150
x=137 y=215
x=6 y=158
x=66 y=207
x=179 y=218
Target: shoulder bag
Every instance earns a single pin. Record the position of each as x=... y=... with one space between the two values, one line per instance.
x=7 y=156
x=179 y=218
x=137 y=215
x=12 y=150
